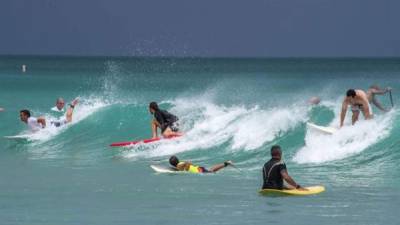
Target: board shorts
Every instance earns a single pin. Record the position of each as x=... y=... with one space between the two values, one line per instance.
x=358 y=108
x=58 y=123
x=203 y=170
x=174 y=127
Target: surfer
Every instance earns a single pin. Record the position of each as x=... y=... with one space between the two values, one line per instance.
x=68 y=115
x=274 y=172
x=36 y=124
x=188 y=166
x=1 y=109
x=376 y=90
x=358 y=101
x=59 y=105
x=33 y=123
x=167 y=122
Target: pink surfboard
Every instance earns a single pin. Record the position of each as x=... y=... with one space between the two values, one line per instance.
x=145 y=141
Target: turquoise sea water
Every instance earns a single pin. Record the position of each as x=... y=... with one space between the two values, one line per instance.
x=229 y=109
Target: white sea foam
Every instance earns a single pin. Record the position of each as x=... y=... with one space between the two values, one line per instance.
x=207 y=125
x=349 y=140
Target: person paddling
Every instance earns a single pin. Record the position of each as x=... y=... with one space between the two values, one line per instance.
x=188 y=166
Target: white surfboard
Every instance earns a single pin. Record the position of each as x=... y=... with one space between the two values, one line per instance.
x=326 y=130
x=164 y=169
x=18 y=137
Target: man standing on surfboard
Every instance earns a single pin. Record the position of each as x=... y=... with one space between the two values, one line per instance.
x=376 y=90
x=36 y=124
x=164 y=120
x=274 y=172
x=189 y=167
x=358 y=100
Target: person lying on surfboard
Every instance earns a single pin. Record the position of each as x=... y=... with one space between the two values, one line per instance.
x=275 y=172
x=188 y=166
x=36 y=124
x=358 y=101
x=376 y=90
x=167 y=122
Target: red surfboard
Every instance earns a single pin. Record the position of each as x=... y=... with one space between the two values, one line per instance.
x=145 y=141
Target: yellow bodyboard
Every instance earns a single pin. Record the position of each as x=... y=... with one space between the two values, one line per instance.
x=312 y=190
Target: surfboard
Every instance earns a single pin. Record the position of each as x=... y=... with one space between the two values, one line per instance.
x=326 y=130
x=165 y=169
x=312 y=190
x=145 y=141
x=18 y=137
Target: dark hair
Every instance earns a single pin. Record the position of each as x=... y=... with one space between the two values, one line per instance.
x=276 y=151
x=173 y=160
x=351 y=93
x=154 y=106
x=25 y=112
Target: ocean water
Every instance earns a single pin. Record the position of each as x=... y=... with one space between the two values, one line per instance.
x=229 y=109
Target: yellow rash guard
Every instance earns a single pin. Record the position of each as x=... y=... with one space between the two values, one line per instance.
x=195 y=169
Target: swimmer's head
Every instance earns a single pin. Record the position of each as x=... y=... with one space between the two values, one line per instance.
x=276 y=152
x=24 y=115
x=314 y=100
x=153 y=107
x=60 y=103
x=173 y=160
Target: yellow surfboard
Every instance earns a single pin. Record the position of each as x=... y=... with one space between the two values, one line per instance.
x=312 y=190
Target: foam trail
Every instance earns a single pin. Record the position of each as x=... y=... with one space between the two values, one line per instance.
x=207 y=125
x=349 y=140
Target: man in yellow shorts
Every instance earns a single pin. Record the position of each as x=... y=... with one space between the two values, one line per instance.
x=188 y=166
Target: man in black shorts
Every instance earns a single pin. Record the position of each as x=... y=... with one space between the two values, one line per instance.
x=274 y=172
x=167 y=122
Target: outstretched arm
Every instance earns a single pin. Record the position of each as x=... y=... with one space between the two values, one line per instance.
x=70 y=110
x=380 y=91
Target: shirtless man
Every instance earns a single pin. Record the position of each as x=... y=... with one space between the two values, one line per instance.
x=358 y=101
x=376 y=90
